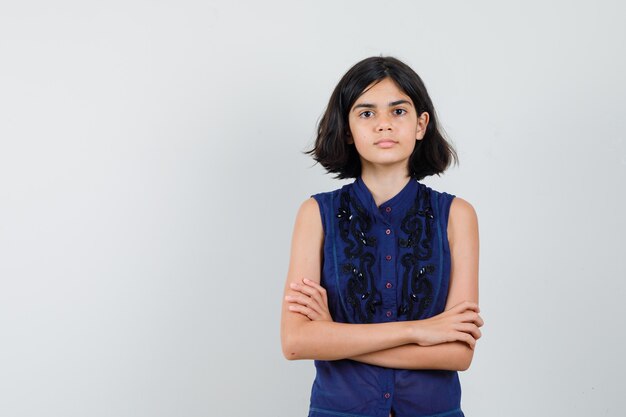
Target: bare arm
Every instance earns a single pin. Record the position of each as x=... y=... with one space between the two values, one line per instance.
x=464 y=248
x=451 y=356
x=305 y=338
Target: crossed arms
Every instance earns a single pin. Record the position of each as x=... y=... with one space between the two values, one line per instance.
x=445 y=341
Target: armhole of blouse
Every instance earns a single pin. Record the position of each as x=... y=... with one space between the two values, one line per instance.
x=318 y=198
x=445 y=204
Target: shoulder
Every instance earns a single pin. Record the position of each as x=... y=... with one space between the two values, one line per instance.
x=308 y=228
x=309 y=215
x=309 y=208
x=319 y=207
x=461 y=208
x=463 y=220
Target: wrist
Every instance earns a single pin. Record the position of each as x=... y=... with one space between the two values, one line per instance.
x=416 y=331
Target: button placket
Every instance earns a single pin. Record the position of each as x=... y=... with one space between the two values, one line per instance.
x=388 y=249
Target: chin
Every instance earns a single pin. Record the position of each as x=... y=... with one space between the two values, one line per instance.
x=390 y=162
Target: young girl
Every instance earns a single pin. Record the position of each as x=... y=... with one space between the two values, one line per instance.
x=382 y=288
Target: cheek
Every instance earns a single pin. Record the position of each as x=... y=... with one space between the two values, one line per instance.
x=351 y=127
x=361 y=128
x=350 y=135
x=356 y=133
x=359 y=143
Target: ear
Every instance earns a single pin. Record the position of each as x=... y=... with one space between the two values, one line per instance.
x=422 y=124
x=349 y=139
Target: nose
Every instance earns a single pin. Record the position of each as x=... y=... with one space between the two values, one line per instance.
x=384 y=123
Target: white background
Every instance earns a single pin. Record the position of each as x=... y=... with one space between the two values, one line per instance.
x=151 y=167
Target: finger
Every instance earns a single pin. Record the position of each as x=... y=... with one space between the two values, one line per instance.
x=318 y=299
x=317 y=295
x=310 y=296
x=299 y=298
x=313 y=284
x=314 y=291
x=471 y=317
x=309 y=312
x=304 y=301
x=308 y=292
x=321 y=291
x=479 y=321
x=471 y=329
x=305 y=311
x=305 y=289
x=467 y=338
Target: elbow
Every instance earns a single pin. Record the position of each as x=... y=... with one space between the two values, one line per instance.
x=290 y=348
x=290 y=354
x=464 y=365
x=465 y=357
x=300 y=341
x=296 y=342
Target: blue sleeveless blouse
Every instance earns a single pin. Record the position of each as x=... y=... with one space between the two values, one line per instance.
x=382 y=264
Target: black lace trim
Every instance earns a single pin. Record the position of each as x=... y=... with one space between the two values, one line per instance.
x=417 y=289
x=354 y=226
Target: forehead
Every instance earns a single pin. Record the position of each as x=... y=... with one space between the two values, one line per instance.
x=384 y=91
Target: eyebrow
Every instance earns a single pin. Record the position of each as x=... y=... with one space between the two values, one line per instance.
x=373 y=106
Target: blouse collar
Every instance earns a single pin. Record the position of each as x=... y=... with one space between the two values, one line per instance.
x=396 y=204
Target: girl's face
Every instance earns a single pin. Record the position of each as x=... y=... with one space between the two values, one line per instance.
x=384 y=125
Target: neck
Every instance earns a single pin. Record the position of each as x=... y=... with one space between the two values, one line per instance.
x=384 y=182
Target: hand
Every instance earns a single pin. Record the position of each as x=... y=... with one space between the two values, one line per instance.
x=459 y=323
x=311 y=301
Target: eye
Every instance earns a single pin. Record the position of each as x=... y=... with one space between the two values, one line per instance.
x=399 y=112
x=366 y=114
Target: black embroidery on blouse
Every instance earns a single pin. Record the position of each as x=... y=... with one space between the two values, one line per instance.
x=417 y=289
x=354 y=226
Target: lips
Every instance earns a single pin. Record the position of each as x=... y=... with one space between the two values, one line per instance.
x=385 y=143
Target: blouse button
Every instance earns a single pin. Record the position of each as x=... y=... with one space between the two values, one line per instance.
x=389 y=313
x=388 y=231
x=388 y=209
x=388 y=285
x=387 y=395
x=388 y=257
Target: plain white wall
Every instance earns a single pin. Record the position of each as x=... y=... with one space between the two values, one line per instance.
x=151 y=167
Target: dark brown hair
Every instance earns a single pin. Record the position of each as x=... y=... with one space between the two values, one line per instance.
x=432 y=155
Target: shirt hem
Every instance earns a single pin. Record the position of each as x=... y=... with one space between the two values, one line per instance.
x=322 y=412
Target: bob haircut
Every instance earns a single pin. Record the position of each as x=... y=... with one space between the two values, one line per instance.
x=432 y=154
